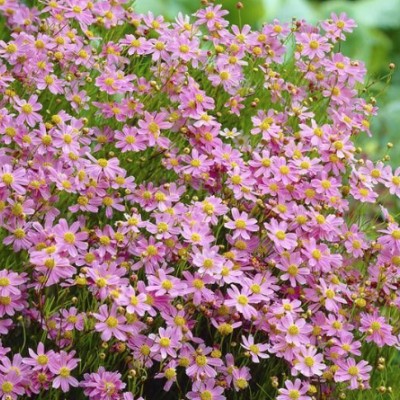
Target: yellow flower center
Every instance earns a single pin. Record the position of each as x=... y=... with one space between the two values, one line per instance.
x=198 y=283
x=280 y=235
x=206 y=395
x=165 y=342
x=294 y=394
x=396 y=234
x=102 y=162
x=316 y=254
x=7 y=178
x=375 y=326
x=293 y=330
x=27 y=109
x=167 y=284
x=353 y=370
x=4 y=282
x=42 y=359
x=254 y=348
x=69 y=237
x=240 y=224
x=293 y=270
x=7 y=387
x=64 y=372
x=242 y=300
x=112 y=322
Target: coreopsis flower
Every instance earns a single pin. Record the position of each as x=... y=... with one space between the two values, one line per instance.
x=69 y=239
x=352 y=372
x=28 y=110
x=166 y=342
x=11 y=385
x=277 y=232
x=102 y=384
x=295 y=330
x=309 y=362
x=62 y=365
x=297 y=390
x=241 y=224
x=13 y=178
x=110 y=323
x=242 y=301
x=377 y=329
x=40 y=359
x=257 y=351
x=219 y=183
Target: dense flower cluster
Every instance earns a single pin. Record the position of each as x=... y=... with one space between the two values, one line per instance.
x=180 y=205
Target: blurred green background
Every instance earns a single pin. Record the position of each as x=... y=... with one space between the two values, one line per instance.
x=376 y=41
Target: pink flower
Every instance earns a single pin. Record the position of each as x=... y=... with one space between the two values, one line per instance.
x=110 y=323
x=313 y=45
x=61 y=365
x=293 y=271
x=69 y=239
x=377 y=330
x=102 y=384
x=15 y=179
x=135 y=303
x=41 y=359
x=277 y=232
x=351 y=372
x=166 y=342
x=212 y=17
x=152 y=125
x=203 y=364
x=241 y=224
x=309 y=362
x=296 y=390
x=206 y=390
x=11 y=386
x=27 y=110
x=295 y=331
x=9 y=282
x=256 y=351
x=242 y=301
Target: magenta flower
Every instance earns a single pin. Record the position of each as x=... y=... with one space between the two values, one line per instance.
x=61 y=365
x=203 y=364
x=15 y=179
x=166 y=342
x=277 y=232
x=241 y=224
x=309 y=362
x=206 y=390
x=11 y=385
x=351 y=372
x=242 y=301
x=256 y=351
x=39 y=360
x=296 y=390
x=103 y=385
x=28 y=110
x=110 y=323
x=377 y=329
x=313 y=45
x=69 y=239
x=295 y=331
x=151 y=127
x=9 y=282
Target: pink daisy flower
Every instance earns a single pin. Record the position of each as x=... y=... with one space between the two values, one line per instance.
x=241 y=224
x=350 y=371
